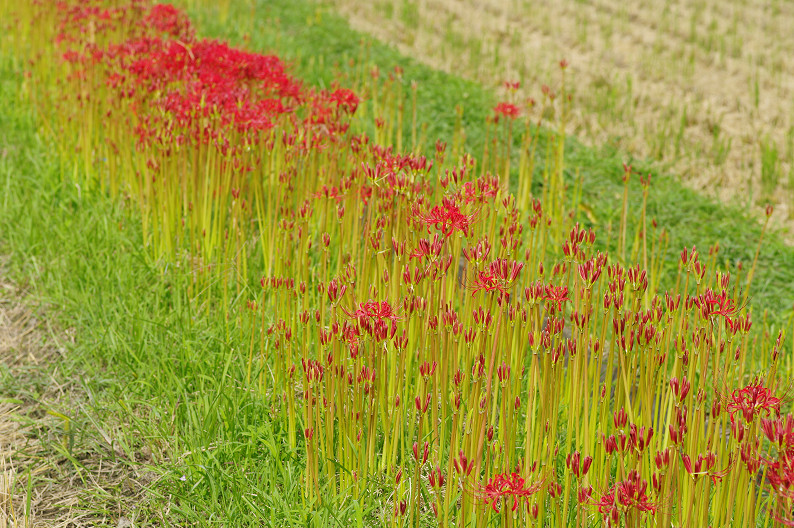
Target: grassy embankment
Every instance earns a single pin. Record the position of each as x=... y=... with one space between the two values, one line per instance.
x=84 y=254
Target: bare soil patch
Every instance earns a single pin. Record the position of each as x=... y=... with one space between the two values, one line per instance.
x=704 y=86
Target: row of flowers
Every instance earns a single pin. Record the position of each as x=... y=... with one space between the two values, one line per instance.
x=405 y=313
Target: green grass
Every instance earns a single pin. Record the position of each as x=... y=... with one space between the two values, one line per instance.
x=154 y=376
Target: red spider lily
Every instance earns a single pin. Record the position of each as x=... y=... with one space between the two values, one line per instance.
x=584 y=494
x=705 y=465
x=428 y=248
x=507 y=110
x=332 y=193
x=214 y=68
x=480 y=190
x=345 y=100
x=625 y=495
x=373 y=310
x=313 y=370
x=479 y=252
x=748 y=455
x=578 y=466
x=463 y=465
x=373 y=318
x=781 y=477
x=780 y=432
x=351 y=336
x=488 y=282
x=498 y=276
x=447 y=218
x=590 y=271
x=506 y=270
x=780 y=474
x=503 y=487
x=170 y=21
x=712 y=305
x=75 y=19
x=753 y=399
x=201 y=89
x=556 y=294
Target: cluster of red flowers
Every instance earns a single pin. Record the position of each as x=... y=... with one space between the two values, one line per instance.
x=184 y=89
x=752 y=400
x=446 y=217
x=498 y=276
x=377 y=319
x=507 y=110
x=507 y=488
x=629 y=494
x=373 y=310
x=780 y=469
x=169 y=21
x=712 y=304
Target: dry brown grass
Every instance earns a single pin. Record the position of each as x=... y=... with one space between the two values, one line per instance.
x=676 y=81
x=77 y=477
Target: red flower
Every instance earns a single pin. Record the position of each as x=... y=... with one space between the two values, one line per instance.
x=780 y=432
x=373 y=310
x=498 y=276
x=428 y=248
x=755 y=398
x=488 y=282
x=480 y=190
x=345 y=99
x=706 y=464
x=556 y=294
x=625 y=495
x=507 y=110
x=711 y=305
x=505 y=486
x=447 y=218
x=169 y=20
x=377 y=320
x=780 y=474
